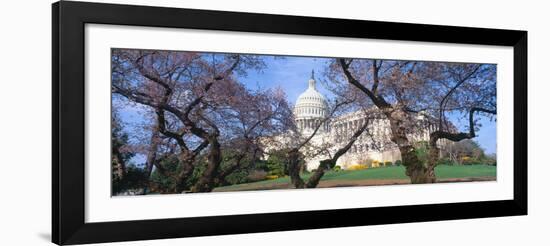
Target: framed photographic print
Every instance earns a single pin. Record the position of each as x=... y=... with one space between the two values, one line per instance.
x=177 y=123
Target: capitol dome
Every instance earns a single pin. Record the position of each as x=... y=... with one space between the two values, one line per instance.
x=310 y=106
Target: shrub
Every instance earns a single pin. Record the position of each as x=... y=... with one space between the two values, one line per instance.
x=388 y=163
x=134 y=179
x=337 y=168
x=276 y=163
x=165 y=184
x=237 y=177
x=398 y=163
x=275 y=168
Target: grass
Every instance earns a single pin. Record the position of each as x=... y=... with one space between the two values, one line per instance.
x=382 y=173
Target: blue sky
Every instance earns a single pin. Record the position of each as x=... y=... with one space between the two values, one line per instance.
x=289 y=73
x=292 y=74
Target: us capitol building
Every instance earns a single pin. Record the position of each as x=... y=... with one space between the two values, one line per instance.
x=374 y=144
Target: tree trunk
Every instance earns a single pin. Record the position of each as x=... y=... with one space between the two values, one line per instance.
x=324 y=165
x=206 y=181
x=427 y=173
x=183 y=176
x=294 y=169
x=120 y=166
x=417 y=172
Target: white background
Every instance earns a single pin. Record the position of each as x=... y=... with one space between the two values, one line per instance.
x=25 y=126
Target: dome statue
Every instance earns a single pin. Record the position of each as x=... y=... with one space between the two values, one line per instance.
x=311 y=107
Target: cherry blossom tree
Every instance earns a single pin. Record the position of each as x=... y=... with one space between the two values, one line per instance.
x=197 y=104
x=401 y=90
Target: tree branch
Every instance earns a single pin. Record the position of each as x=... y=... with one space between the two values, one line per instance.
x=375 y=78
x=378 y=101
x=443 y=101
x=455 y=137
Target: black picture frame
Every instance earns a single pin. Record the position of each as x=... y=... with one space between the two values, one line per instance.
x=68 y=122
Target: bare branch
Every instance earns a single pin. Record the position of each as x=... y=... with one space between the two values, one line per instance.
x=455 y=137
x=378 y=101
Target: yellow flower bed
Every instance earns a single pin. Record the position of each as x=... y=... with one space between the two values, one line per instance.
x=374 y=164
x=355 y=167
x=271 y=177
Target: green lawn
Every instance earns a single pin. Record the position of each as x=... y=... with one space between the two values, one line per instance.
x=382 y=173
